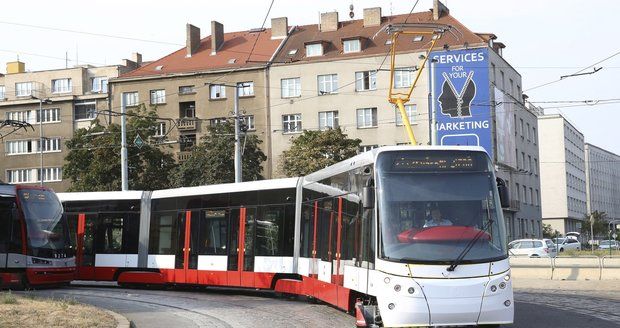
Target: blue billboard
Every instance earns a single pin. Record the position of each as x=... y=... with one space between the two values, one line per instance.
x=461 y=96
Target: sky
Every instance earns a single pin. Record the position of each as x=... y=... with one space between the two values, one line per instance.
x=544 y=40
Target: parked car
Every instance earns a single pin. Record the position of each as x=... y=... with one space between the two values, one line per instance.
x=607 y=244
x=532 y=248
x=567 y=243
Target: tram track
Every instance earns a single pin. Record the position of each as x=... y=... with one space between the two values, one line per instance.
x=212 y=309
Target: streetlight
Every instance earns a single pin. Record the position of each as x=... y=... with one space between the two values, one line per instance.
x=41 y=101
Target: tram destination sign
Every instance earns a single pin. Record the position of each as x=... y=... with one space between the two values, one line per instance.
x=452 y=161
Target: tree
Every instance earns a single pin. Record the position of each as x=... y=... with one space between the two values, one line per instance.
x=599 y=223
x=94 y=160
x=549 y=232
x=315 y=150
x=212 y=161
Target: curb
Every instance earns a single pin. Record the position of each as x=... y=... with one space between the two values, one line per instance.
x=121 y=320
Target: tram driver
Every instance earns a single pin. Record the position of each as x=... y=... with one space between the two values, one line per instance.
x=436 y=219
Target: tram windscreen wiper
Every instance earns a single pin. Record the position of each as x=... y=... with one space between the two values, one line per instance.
x=471 y=243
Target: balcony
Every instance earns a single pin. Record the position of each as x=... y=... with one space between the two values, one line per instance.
x=186 y=124
x=515 y=205
x=183 y=156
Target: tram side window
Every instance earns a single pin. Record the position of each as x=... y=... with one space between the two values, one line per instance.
x=110 y=235
x=325 y=216
x=7 y=213
x=213 y=232
x=163 y=236
x=307 y=229
x=269 y=231
x=351 y=230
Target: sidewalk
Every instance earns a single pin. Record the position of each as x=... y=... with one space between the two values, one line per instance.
x=601 y=288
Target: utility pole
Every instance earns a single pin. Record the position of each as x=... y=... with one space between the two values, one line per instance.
x=238 y=167
x=124 y=170
x=592 y=232
x=433 y=114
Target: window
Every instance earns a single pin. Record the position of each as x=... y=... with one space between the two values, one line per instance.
x=50 y=174
x=160 y=130
x=411 y=114
x=291 y=123
x=365 y=148
x=365 y=81
x=366 y=117
x=503 y=80
x=15 y=147
x=245 y=89
x=531 y=195
x=131 y=98
x=418 y=38
x=49 y=115
x=529 y=162
x=23 y=89
x=248 y=121
x=534 y=135
x=403 y=77
x=50 y=145
x=521 y=128
x=20 y=176
x=186 y=89
x=512 y=87
x=314 y=49
x=537 y=199
x=328 y=84
x=523 y=161
x=85 y=110
x=216 y=121
x=328 y=120
x=23 y=116
x=524 y=195
x=158 y=97
x=2 y=92
x=517 y=193
x=351 y=46
x=535 y=168
x=291 y=87
x=187 y=109
x=217 y=91
x=61 y=86
x=99 y=84
x=529 y=135
x=493 y=73
x=519 y=96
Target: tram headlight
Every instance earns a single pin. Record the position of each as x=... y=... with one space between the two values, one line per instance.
x=386 y=280
x=391 y=306
x=397 y=288
x=507 y=303
x=502 y=285
x=411 y=290
x=507 y=277
x=493 y=288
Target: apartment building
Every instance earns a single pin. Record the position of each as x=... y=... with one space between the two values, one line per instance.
x=336 y=74
x=562 y=173
x=603 y=181
x=69 y=98
x=195 y=86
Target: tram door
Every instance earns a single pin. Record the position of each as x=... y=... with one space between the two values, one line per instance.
x=181 y=265
x=241 y=247
x=82 y=229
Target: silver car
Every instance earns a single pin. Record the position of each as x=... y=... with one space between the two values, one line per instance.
x=607 y=244
x=532 y=248
x=563 y=244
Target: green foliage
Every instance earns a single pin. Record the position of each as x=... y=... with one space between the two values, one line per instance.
x=212 y=161
x=599 y=224
x=315 y=150
x=549 y=232
x=94 y=160
x=8 y=298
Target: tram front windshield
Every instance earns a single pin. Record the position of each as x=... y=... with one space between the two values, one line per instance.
x=47 y=230
x=434 y=204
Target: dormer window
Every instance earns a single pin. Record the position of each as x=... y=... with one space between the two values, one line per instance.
x=351 y=45
x=418 y=38
x=314 y=49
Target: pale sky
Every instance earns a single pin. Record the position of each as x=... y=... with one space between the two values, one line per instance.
x=544 y=39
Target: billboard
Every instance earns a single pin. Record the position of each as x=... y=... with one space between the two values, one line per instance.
x=462 y=100
x=505 y=128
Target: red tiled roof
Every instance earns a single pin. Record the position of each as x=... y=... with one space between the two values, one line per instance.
x=373 y=43
x=237 y=46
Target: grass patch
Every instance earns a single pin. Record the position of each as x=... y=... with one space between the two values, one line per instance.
x=27 y=310
x=8 y=298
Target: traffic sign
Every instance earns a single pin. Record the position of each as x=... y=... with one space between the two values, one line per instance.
x=138 y=141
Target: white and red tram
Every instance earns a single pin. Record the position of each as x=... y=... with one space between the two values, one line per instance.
x=358 y=235
x=35 y=244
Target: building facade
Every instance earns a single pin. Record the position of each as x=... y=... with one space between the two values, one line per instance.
x=69 y=98
x=562 y=174
x=195 y=86
x=603 y=181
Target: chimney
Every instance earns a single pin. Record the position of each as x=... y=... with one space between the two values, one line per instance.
x=329 y=21
x=192 y=39
x=279 y=28
x=372 y=16
x=15 y=67
x=217 y=36
x=439 y=9
x=136 y=57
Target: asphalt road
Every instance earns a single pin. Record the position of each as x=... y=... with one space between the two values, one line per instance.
x=222 y=308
